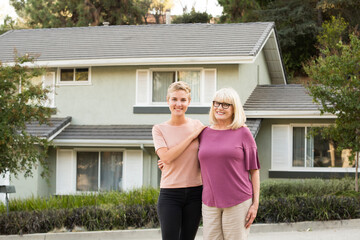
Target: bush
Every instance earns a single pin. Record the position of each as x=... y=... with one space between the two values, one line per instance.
x=305 y=187
x=308 y=209
x=90 y=218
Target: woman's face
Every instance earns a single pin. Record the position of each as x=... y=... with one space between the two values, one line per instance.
x=178 y=102
x=223 y=113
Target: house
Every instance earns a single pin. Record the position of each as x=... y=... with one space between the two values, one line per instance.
x=109 y=86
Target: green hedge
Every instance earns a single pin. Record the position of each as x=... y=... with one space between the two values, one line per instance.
x=90 y=218
x=306 y=187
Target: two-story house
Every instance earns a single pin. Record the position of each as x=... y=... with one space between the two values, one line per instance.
x=109 y=87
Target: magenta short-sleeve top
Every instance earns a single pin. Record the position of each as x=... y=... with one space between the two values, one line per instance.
x=226 y=156
x=184 y=171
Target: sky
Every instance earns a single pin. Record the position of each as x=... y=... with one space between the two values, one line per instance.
x=6 y=9
x=210 y=6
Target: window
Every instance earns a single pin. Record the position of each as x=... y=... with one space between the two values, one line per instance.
x=162 y=79
x=314 y=151
x=152 y=85
x=99 y=171
x=74 y=75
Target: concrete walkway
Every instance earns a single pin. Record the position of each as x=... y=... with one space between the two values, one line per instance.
x=330 y=230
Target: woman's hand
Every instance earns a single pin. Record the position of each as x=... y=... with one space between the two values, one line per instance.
x=250 y=217
x=160 y=164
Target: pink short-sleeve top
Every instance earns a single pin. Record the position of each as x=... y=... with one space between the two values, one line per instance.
x=226 y=156
x=184 y=171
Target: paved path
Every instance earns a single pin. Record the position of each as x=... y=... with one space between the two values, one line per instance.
x=331 y=230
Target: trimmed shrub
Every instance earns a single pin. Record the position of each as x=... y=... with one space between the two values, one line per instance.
x=90 y=218
x=305 y=187
x=299 y=209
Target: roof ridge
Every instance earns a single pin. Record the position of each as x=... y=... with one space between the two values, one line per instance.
x=134 y=26
x=262 y=38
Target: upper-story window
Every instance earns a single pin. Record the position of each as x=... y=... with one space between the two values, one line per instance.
x=152 y=85
x=162 y=79
x=74 y=76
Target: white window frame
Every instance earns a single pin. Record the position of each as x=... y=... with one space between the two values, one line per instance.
x=152 y=70
x=98 y=150
x=290 y=156
x=72 y=83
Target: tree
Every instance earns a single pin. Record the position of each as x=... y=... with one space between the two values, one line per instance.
x=335 y=86
x=159 y=7
x=296 y=22
x=20 y=103
x=193 y=17
x=75 y=13
x=8 y=24
x=237 y=10
x=347 y=9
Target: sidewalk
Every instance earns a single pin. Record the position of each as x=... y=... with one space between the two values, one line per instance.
x=330 y=230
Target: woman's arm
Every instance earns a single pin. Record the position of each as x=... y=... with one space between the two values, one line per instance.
x=168 y=155
x=255 y=180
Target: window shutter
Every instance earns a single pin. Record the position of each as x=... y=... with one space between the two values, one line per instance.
x=49 y=82
x=133 y=169
x=142 y=87
x=209 y=88
x=65 y=172
x=281 y=147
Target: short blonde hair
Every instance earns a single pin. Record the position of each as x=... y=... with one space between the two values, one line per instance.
x=229 y=95
x=176 y=86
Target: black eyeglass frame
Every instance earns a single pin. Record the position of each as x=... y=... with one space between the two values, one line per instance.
x=223 y=104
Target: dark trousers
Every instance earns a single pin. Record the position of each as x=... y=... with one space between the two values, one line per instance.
x=179 y=211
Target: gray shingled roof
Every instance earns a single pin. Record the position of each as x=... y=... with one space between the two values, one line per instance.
x=47 y=131
x=291 y=97
x=141 y=41
x=254 y=125
x=123 y=132
x=119 y=132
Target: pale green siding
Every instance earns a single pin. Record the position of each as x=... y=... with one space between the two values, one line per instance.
x=263 y=140
x=36 y=185
x=111 y=96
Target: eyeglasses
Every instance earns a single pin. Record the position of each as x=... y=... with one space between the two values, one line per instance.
x=224 y=105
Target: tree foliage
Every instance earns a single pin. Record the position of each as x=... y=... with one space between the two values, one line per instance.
x=347 y=9
x=21 y=102
x=74 y=13
x=193 y=17
x=335 y=86
x=159 y=7
x=296 y=22
x=8 y=24
x=237 y=10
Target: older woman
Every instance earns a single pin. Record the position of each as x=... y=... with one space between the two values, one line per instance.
x=228 y=157
x=176 y=144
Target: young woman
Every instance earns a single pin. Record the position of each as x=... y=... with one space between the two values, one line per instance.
x=176 y=144
x=228 y=155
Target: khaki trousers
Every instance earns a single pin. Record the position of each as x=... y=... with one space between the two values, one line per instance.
x=225 y=223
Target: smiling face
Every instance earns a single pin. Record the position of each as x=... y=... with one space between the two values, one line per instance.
x=222 y=114
x=178 y=102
